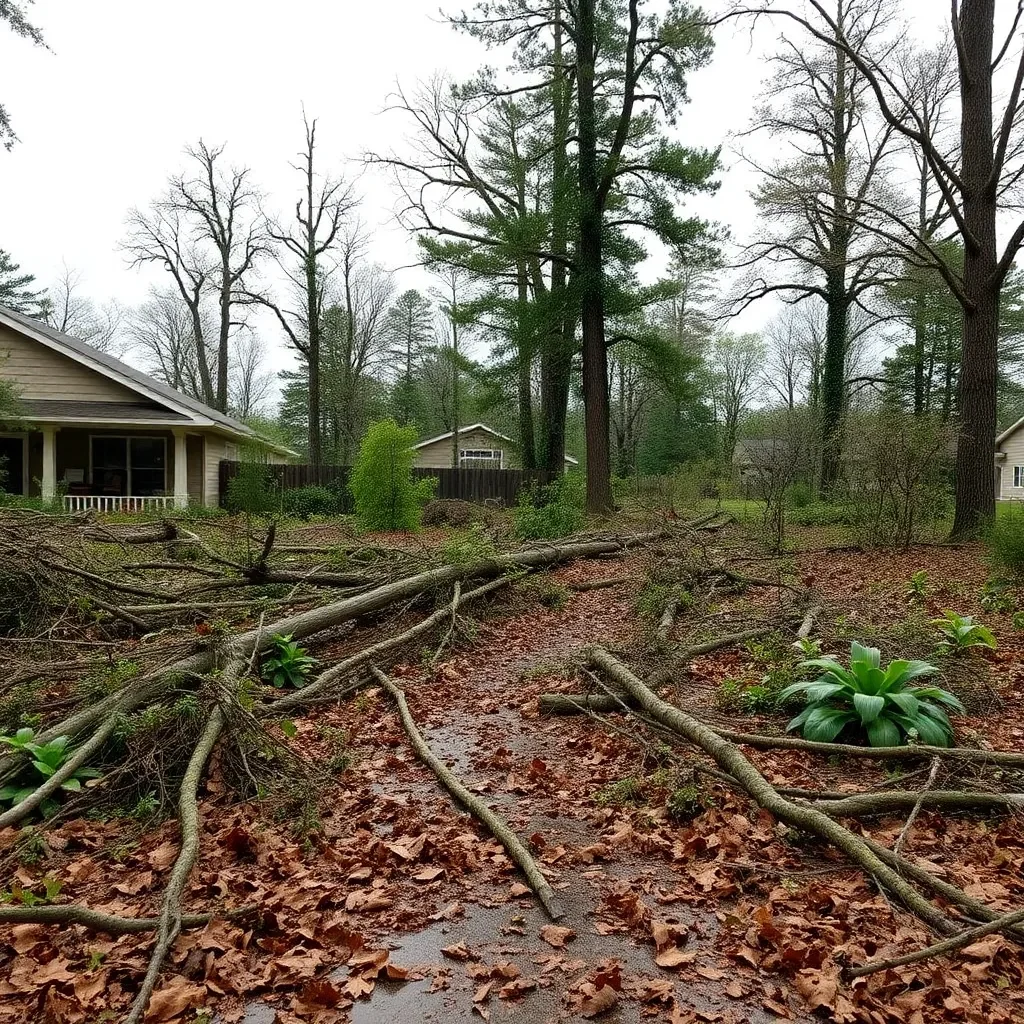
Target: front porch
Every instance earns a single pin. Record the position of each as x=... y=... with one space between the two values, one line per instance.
x=107 y=469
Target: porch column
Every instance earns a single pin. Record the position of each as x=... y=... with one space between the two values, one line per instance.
x=49 y=482
x=180 y=469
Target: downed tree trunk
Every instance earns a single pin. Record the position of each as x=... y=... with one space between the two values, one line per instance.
x=730 y=759
x=307 y=623
x=494 y=823
x=667 y=620
x=110 y=924
x=859 y=805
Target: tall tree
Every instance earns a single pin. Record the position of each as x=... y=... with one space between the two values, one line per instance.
x=16 y=288
x=821 y=193
x=14 y=14
x=306 y=253
x=735 y=379
x=206 y=232
x=972 y=183
x=162 y=332
x=410 y=330
x=451 y=298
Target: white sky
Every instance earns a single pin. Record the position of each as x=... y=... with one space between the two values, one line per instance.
x=103 y=118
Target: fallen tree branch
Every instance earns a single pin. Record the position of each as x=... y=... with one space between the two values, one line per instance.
x=110 y=924
x=668 y=619
x=493 y=822
x=916 y=809
x=950 y=945
x=861 y=804
x=610 y=581
x=170 y=922
x=731 y=760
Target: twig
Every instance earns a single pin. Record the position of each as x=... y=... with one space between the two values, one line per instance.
x=916 y=810
x=955 y=942
x=496 y=825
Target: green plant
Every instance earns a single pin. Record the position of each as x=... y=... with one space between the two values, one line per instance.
x=546 y=513
x=960 y=633
x=997 y=597
x=1005 y=538
x=760 y=698
x=45 y=759
x=254 y=489
x=917 y=586
x=807 y=647
x=625 y=791
x=686 y=802
x=877 y=701
x=385 y=494
x=27 y=898
x=287 y=663
x=470 y=545
x=306 y=502
x=1018 y=620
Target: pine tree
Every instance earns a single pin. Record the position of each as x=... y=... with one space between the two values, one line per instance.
x=16 y=290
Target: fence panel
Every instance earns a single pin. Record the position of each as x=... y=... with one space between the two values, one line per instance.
x=501 y=486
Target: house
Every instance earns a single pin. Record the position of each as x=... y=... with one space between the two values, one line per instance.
x=480 y=447
x=1009 y=480
x=752 y=457
x=104 y=434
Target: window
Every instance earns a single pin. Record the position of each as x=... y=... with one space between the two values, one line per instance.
x=135 y=466
x=1018 y=476
x=480 y=458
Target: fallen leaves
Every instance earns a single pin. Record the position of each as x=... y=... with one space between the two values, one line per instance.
x=555 y=935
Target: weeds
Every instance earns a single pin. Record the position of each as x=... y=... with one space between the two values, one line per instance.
x=917 y=586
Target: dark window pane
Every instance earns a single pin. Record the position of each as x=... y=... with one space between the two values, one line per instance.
x=148 y=452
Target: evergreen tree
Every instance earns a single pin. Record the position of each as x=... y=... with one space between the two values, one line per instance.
x=16 y=291
x=410 y=330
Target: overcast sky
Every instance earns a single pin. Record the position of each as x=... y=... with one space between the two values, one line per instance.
x=103 y=116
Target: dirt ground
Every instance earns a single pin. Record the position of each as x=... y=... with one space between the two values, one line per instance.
x=400 y=908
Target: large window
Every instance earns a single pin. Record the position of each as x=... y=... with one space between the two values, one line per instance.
x=1018 y=476
x=135 y=466
x=480 y=458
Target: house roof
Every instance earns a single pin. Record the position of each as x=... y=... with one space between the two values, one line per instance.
x=486 y=429
x=187 y=409
x=1012 y=429
x=114 y=412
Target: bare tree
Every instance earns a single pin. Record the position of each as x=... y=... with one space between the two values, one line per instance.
x=975 y=185
x=250 y=384
x=162 y=332
x=206 y=233
x=67 y=310
x=306 y=255
x=735 y=380
x=820 y=194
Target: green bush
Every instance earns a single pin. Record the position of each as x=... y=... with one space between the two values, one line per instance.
x=546 y=513
x=799 y=495
x=254 y=490
x=872 y=701
x=1006 y=538
x=823 y=513
x=385 y=494
x=306 y=502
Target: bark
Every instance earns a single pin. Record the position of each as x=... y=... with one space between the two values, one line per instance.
x=494 y=823
x=976 y=394
x=524 y=361
x=833 y=378
x=589 y=268
x=731 y=760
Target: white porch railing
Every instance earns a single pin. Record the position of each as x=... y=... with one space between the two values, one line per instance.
x=116 y=502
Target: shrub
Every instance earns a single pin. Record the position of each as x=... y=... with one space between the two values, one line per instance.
x=1006 y=538
x=546 y=513
x=960 y=633
x=385 y=494
x=253 y=490
x=306 y=502
x=799 y=494
x=287 y=663
x=872 y=701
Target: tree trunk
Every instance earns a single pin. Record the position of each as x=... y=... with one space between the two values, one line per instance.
x=524 y=359
x=589 y=270
x=313 y=363
x=222 y=340
x=559 y=342
x=920 y=330
x=976 y=391
x=833 y=380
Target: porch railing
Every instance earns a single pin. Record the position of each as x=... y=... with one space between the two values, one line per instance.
x=116 y=502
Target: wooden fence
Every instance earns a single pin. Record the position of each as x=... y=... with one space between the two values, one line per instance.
x=501 y=486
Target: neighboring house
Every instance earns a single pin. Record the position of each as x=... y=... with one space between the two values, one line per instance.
x=105 y=434
x=1010 y=463
x=480 y=447
x=755 y=456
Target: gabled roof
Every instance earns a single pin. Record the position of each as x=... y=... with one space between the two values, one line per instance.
x=1012 y=429
x=187 y=409
x=486 y=429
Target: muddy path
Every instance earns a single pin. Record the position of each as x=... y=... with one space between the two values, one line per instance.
x=555 y=781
